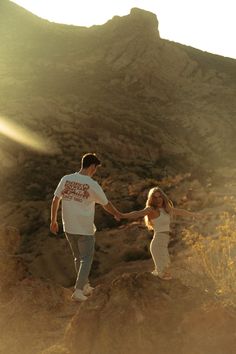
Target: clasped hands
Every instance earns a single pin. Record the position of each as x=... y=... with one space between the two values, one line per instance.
x=118 y=216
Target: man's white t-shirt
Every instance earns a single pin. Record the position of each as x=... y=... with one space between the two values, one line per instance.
x=79 y=193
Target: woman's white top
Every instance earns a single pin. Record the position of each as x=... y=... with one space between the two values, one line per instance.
x=162 y=222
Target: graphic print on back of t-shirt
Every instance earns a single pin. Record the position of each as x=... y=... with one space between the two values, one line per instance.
x=76 y=191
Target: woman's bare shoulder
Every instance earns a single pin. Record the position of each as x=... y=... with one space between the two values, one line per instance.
x=154 y=213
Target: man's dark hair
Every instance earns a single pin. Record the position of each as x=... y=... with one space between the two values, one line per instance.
x=90 y=159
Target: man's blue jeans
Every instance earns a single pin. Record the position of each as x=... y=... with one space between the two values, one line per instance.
x=82 y=247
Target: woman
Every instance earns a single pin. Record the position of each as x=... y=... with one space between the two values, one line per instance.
x=157 y=214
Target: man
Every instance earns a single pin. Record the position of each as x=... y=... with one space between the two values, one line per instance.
x=79 y=193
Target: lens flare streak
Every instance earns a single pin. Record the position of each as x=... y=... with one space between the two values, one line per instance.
x=25 y=137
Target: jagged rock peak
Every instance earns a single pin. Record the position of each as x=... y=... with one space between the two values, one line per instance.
x=138 y=20
x=145 y=19
x=144 y=16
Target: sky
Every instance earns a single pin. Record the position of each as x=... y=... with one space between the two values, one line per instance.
x=208 y=25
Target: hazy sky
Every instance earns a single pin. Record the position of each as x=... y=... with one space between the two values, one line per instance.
x=205 y=24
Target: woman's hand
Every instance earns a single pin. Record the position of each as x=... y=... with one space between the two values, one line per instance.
x=201 y=216
x=197 y=216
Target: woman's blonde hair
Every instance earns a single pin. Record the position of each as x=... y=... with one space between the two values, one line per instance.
x=167 y=204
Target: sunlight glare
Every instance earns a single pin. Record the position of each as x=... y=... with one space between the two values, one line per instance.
x=25 y=137
x=86 y=13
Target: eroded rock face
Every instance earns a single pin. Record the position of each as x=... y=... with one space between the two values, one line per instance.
x=29 y=306
x=12 y=267
x=138 y=313
x=9 y=239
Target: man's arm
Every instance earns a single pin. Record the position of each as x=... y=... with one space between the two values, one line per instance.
x=54 y=209
x=109 y=207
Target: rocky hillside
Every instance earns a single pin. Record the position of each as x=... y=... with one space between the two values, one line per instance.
x=129 y=311
x=143 y=103
x=156 y=112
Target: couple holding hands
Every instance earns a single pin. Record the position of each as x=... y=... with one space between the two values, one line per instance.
x=79 y=193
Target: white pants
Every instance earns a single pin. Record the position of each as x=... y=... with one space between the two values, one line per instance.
x=159 y=251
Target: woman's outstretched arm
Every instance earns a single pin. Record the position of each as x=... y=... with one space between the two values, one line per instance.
x=185 y=213
x=136 y=213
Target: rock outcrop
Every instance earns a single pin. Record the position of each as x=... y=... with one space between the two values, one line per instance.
x=137 y=313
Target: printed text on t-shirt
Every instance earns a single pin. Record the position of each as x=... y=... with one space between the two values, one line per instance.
x=76 y=191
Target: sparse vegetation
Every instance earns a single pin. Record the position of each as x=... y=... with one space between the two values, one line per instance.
x=214 y=257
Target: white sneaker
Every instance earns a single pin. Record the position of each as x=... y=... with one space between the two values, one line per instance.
x=164 y=276
x=88 y=289
x=78 y=295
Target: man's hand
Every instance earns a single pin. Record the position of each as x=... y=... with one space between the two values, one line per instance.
x=54 y=207
x=109 y=207
x=54 y=227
